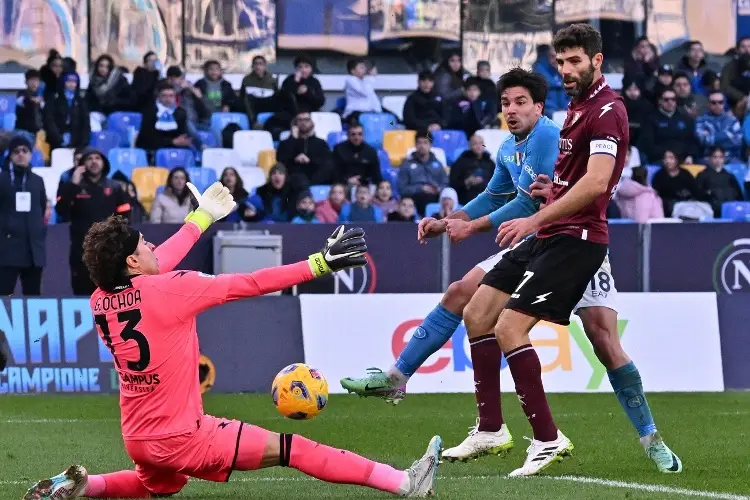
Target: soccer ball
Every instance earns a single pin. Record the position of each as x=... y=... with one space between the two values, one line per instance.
x=299 y=392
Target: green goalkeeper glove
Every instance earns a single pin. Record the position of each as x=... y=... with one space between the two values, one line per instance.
x=214 y=204
x=342 y=250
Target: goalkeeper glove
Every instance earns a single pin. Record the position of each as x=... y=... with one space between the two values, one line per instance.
x=342 y=250
x=214 y=204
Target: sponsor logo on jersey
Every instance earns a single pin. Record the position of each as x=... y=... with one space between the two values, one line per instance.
x=565 y=145
x=559 y=181
x=732 y=268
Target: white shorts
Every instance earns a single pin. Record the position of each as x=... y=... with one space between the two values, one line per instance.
x=601 y=291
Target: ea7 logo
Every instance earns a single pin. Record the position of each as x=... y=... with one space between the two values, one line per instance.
x=732 y=268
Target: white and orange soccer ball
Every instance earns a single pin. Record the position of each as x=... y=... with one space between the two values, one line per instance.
x=299 y=392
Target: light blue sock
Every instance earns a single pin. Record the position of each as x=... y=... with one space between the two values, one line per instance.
x=436 y=329
x=626 y=382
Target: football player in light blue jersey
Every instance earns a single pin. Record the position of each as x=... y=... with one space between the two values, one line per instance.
x=531 y=151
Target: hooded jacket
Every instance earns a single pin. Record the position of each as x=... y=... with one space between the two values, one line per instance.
x=422 y=110
x=414 y=173
x=468 y=165
x=65 y=119
x=22 y=234
x=350 y=160
x=720 y=130
x=312 y=100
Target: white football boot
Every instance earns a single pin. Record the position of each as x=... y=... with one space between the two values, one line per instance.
x=479 y=443
x=664 y=458
x=68 y=484
x=423 y=472
x=542 y=454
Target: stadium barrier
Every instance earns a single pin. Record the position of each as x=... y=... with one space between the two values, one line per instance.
x=665 y=333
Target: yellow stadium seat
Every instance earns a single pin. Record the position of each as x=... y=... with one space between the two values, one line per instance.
x=694 y=169
x=147 y=180
x=267 y=159
x=397 y=143
x=42 y=145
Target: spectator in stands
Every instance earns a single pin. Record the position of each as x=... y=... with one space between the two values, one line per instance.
x=145 y=78
x=674 y=183
x=274 y=200
x=66 y=116
x=424 y=108
x=258 y=93
x=642 y=63
x=51 y=72
x=328 y=210
x=29 y=105
x=449 y=78
x=472 y=112
x=472 y=171
x=89 y=197
x=546 y=64
x=484 y=77
x=137 y=211
x=421 y=176
x=165 y=124
x=406 y=211
x=710 y=82
x=362 y=209
x=719 y=128
x=448 y=203
x=188 y=97
x=664 y=78
x=306 y=156
x=384 y=199
x=735 y=77
x=355 y=161
x=692 y=104
x=715 y=184
x=639 y=108
x=173 y=204
x=217 y=93
x=305 y=88
x=108 y=90
x=24 y=212
x=359 y=91
x=635 y=199
x=305 y=209
x=669 y=129
x=231 y=179
x=693 y=64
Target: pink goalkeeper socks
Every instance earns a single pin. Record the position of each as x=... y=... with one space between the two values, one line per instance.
x=340 y=466
x=123 y=484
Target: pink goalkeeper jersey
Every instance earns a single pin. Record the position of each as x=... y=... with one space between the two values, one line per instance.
x=150 y=329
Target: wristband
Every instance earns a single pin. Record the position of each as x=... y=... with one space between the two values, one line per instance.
x=318 y=264
x=200 y=218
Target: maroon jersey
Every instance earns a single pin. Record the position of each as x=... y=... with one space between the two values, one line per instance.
x=597 y=123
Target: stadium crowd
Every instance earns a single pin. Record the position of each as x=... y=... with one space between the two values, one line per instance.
x=130 y=147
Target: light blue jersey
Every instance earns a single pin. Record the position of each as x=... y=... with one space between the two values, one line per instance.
x=516 y=168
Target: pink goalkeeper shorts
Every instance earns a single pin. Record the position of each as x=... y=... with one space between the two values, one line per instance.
x=210 y=452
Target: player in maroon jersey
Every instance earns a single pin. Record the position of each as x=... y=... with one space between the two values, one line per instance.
x=544 y=276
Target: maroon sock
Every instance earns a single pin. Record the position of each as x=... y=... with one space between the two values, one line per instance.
x=527 y=375
x=485 y=356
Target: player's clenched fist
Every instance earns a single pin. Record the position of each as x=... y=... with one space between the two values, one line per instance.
x=214 y=204
x=343 y=249
x=429 y=227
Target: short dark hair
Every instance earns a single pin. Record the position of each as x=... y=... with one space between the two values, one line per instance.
x=353 y=63
x=742 y=39
x=714 y=149
x=104 y=251
x=482 y=64
x=174 y=72
x=162 y=86
x=423 y=134
x=664 y=91
x=581 y=35
x=680 y=74
x=472 y=82
x=210 y=63
x=32 y=73
x=534 y=82
x=259 y=57
x=147 y=55
x=694 y=42
x=426 y=75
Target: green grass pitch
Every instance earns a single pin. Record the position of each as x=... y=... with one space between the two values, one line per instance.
x=41 y=435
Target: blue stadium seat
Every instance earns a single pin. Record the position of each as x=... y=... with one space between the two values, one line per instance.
x=105 y=141
x=262 y=118
x=739 y=171
x=453 y=142
x=201 y=177
x=652 y=169
x=375 y=124
x=335 y=138
x=126 y=159
x=174 y=157
x=320 y=192
x=121 y=122
x=385 y=160
x=431 y=208
x=392 y=175
x=9 y=121
x=8 y=103
x=37 y=158
x=738 y=211
x=340 y=105
x=221 y=120
x=208 y=139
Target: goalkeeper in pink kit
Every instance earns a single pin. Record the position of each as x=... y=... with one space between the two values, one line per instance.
x=145 y=314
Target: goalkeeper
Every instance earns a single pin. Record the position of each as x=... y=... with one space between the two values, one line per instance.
x=145 y=314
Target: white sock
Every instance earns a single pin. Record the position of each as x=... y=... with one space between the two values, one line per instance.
x=405 y=487
x=397 y=378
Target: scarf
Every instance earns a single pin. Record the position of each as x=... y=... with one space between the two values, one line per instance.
x=101 y=85
x=165 y=118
